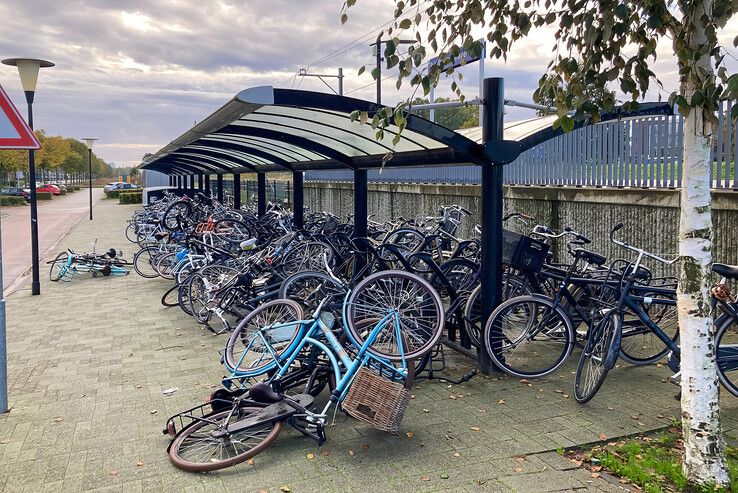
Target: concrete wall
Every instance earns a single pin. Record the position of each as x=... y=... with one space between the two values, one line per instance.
x=651 y=217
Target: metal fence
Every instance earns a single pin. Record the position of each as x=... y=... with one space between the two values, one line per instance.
x=634 y=152
x=276 y=191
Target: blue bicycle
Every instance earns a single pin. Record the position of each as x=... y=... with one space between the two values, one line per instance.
x=68 y=264
x=389 y=319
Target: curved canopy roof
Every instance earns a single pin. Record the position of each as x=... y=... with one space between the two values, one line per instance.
x=267 y=129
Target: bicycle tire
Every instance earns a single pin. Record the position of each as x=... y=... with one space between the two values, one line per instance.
x=640 y=346
x=598 y=346
x=541 y=345
x=130 y=233
x=263 y=436
x=145 y=258
x=309 y=288
x=164 y=299
x=287 y=311
x=421 y=319
x=164 y=265
x=232 y=231
x=180 y=209
x=727 y=355
x=55 y=264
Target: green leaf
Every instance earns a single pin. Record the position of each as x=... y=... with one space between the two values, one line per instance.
x=406 y=24
x=376 y=72
x=733 y=83
x=363 y=117
x=362 y=70
x=344 y=18
x=567 y=123
x=354 y=115
x=697 y=99
x=734 y=112
x=426 y=85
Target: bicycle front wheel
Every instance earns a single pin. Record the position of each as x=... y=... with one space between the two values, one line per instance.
x=59 y=266
x=144 y=262
x=529 y=336
x=255 y=343
x=592 y=368
x=417 y=315
x=207 y=446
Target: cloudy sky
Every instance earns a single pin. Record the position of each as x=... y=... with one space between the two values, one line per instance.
x=138 y=73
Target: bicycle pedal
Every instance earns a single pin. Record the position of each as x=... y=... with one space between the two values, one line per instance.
x=676 y=378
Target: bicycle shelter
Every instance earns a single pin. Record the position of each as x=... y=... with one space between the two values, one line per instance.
x=264 y=130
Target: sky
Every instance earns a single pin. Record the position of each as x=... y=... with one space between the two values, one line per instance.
x=138 y=73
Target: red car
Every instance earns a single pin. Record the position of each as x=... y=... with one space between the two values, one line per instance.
x=49 y=188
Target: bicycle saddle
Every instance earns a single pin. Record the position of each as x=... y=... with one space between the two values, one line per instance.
x=262 y=392
x=725 y=270
x=160 y=235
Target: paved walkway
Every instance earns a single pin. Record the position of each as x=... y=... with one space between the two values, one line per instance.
x=55 y=218
x=89 y=361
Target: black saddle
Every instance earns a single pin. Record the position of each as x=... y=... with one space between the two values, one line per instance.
x=725 y=270
x=262 y=392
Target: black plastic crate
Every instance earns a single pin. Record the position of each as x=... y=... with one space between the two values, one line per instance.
x=523 y=252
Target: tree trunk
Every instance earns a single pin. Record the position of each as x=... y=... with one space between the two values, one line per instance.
x=704 y=446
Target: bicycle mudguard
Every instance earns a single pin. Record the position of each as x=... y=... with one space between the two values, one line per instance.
x=614 y=352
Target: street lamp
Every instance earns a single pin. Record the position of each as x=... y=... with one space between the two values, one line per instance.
x=28 y=70
x=89 y=141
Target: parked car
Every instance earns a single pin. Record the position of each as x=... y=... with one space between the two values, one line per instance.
x=60 y=186
x=49 y=188
x=16 y=192
x=119 y=185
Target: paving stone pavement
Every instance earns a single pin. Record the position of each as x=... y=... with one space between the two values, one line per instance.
x=89 y=361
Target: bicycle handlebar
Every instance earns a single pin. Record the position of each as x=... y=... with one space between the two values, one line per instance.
x=639 y=251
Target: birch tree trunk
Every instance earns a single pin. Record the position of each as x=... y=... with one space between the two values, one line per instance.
x=703 y=440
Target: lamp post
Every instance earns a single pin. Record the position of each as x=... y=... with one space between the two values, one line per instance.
x=89 y=141
x=28 y=70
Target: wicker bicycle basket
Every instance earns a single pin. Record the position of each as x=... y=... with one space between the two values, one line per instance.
x=377 y=401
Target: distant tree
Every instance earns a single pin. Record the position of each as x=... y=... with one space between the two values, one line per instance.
x=452 y=118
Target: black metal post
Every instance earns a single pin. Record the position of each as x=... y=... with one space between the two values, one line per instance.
x=236 y=191
x=179 y=182
x=379 y=69
x=261 y=194
x=491 y=241
x=207 y=184
x=35 y=281
x=360 y=200
x=89 y=155
x=199 y=183
x=298 y=207
x=219 y=185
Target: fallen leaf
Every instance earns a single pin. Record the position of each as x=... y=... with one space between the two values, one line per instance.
x=610 y=408
x=518 y=469
x=250 y=462
x=602 y=437
x=170 y=391
x=444 y=475
x=139 y=386
x=113 y=472
x=139 y=464
x=310 y=456
x=565 y=396
x=409 y=434
x=285 y=488
x=263 y=491
x=325 y=453
x=577 y=462
x=559 y=391
x=501 y=401
x=456 y=454
x=596 y=468
x=425 y=478
x=365 y=446
x=634 y=417
x=520 y=458
x=58 y=419
x=352 y=453
x=641 y=424
x=595 y=475
x=452 y=397
x=474 y=428
x=426 y=410
x=624 y=481
x=153 y=411
x=412 y=396
x=524 y=380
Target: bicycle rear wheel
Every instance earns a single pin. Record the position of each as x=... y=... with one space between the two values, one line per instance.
x=639 y=345
x=726 y=342
x=206 y=446
x=592 y=368
x=418 y=315
x=529 y=336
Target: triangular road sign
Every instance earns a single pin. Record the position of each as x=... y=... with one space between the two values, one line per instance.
x=14 y=131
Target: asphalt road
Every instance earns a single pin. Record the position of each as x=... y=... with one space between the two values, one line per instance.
x=55 y=219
